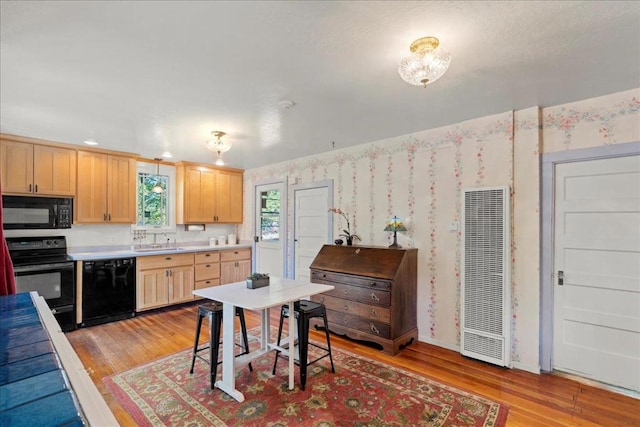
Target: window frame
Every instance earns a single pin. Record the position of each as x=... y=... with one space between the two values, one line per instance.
x=170 y=172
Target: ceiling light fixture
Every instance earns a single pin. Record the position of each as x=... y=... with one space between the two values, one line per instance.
x=218 y=146
x=90 y=142
x=157 y=188
x=426 y=64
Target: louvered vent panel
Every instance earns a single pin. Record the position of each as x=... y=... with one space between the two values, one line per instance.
x=491 y=347
x=485 y=287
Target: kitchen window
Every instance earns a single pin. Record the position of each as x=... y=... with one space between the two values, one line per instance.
x=155 y=211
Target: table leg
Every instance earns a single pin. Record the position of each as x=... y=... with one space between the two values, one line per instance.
x=228 y=382
x=292 y=342
x=264 y=329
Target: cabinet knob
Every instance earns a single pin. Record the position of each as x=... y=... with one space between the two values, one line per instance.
x=374 y=297
x=373 y=329
x=346 y=307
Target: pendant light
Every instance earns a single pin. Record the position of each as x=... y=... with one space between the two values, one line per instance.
x=157 y=188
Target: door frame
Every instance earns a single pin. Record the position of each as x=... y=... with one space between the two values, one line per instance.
x=547 y=229
x=301 y=187
x=283 y=213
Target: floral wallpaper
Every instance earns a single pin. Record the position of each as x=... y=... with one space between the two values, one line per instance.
x=420 y=178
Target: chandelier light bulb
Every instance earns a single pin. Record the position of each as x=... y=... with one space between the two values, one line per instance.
x=426 y=64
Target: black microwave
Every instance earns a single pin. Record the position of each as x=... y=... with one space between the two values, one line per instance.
x=26 y=212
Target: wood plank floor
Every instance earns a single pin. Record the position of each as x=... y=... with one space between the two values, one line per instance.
x=533 y=400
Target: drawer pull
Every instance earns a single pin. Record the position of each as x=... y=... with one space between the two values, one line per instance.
x=207 y=282
x=374 y=329
x=321 y=300
x=374 y=313
x=373 y=283
x=345 y=321
x=207 y=254
x=167 y=258
x=374 y=297
x=345 y=292
x=208 y=265
x=346 y=307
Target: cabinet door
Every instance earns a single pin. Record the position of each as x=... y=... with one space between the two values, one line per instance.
x=54 y=171
x=91 y=200
x=121 y=190
x=17 y=167
x=199 y=194
x=228 y=196
x=152 y=289
x=234 y=271
x=180 y=284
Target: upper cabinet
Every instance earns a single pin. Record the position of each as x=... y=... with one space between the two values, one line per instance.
x=107 y=189
x=37 y=170
x=208 y=195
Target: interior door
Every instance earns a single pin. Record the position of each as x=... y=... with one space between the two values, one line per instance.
x=597 y=270
x=311 y=216
x=270 y=235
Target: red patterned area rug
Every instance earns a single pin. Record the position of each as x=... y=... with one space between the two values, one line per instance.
x=362 y=392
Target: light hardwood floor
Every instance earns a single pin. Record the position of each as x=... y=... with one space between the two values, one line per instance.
x=533 y=400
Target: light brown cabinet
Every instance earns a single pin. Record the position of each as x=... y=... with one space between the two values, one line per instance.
x=163 y=280
x=206 y=195
x=235 y=265
x=35 y=169
x=107 y=190
x=207 y=269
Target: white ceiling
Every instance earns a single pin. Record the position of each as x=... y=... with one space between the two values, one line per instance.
x=146 y=76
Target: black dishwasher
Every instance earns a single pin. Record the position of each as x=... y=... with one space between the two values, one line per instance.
x=108 y=290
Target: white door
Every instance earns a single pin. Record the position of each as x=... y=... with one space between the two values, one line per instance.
x=597 y=270
x=311 y=215
x=270 y=231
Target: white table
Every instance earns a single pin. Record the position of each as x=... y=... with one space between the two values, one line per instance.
x=280 y=291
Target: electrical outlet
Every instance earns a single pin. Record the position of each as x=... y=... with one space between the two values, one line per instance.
x=111 y=239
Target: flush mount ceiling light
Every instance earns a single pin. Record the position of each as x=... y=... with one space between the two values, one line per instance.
x=218 y=145
x=426 y=64
x=90 y=142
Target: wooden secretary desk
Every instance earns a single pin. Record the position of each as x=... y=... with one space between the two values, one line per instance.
x=375 y=293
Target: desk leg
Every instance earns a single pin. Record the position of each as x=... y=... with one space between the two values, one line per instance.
x=292 y=342
x=228 y=382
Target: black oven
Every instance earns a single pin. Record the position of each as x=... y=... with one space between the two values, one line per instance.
x=41 y=264
x=28 y=212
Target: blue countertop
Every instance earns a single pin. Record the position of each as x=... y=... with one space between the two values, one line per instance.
x=34 y=389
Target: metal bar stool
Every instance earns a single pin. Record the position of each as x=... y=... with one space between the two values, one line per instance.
x=213 y=312
x=305 y=310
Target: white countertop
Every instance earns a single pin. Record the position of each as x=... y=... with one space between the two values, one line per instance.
x=115 y=252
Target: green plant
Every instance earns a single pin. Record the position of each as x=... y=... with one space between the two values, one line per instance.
x=258 y=276
x=347 y=232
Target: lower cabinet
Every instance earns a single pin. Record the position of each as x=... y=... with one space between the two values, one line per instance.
x=207 y=269
x=164 y=280
x=235 y=265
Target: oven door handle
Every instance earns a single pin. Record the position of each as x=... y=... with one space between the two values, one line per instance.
x=43 y=267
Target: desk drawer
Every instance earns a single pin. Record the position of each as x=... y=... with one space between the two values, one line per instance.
x=321 y=276
x=367 y=311
x=207 y=271
x=371 y=327
x=360 y=294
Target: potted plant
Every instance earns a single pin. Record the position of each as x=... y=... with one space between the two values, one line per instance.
x=258 y=280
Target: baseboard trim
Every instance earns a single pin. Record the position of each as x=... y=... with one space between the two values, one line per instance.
x=525 y=367
x=438 y=343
